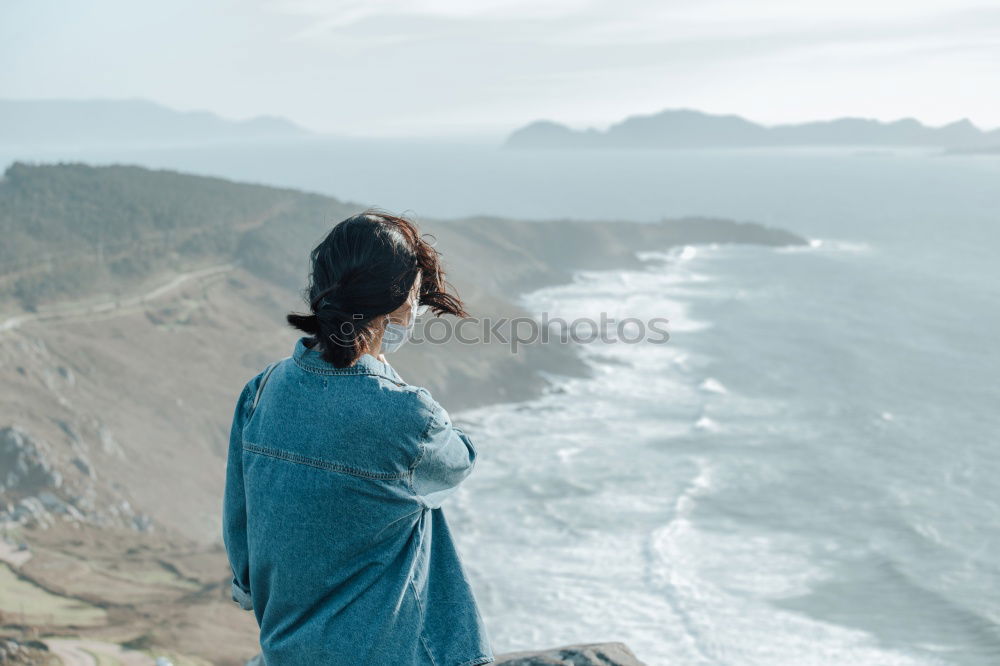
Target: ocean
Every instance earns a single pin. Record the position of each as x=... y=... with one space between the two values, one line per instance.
x=807 y=472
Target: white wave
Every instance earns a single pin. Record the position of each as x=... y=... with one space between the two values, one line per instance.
x=828 y=245
x=707 y=424
x=681 y=253
x=618 y=296
x=718 y=584
x=713 y=385
x=689 y=252
x=567 y=453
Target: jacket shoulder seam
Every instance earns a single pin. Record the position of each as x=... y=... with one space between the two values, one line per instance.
x=320 y=464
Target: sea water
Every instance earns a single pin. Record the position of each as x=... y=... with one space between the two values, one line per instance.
x=783 y=482
x=807 y=472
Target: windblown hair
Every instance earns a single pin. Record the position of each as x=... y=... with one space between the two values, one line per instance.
x=362 y=270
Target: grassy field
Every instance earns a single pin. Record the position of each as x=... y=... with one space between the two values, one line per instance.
x=148 y=573
x=39 y=607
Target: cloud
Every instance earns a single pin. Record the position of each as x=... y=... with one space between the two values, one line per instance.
x=569 y=36
x=501 y=63
x=336 y=17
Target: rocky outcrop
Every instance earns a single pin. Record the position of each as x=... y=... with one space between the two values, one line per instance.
x=34 y=492
x=586 y=654
x=24 y=463
x=26 y=653
x=583 y=654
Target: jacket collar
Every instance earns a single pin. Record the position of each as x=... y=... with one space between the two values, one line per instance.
x=311 y=360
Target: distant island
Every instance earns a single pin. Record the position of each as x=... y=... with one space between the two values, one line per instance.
x=686 y=128
x=104 y=122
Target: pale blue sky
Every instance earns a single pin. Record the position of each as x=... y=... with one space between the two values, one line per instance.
x=433 y=67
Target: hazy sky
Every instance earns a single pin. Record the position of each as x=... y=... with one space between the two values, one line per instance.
x=392 y=67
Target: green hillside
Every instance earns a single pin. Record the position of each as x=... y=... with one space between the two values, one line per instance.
x=73 y=231
x=70 y=230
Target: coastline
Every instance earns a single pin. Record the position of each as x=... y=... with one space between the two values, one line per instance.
x=493 y=262
x=202 y=316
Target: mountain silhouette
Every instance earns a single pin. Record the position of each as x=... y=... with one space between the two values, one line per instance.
x=685 y=128
x=102 y=122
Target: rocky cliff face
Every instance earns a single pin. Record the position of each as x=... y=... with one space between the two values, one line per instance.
x=589 y=654
x=39 y=484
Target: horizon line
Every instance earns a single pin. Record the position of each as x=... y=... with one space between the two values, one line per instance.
x=495 y=129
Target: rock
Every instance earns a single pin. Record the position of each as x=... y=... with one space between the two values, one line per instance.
x=82 y=464
x=588 y=654
x=24 y=653
x=26 y=467
x=67 y=375
x=9 y=650
x=30 y=511
x=108 y=443
x=142 y=523
x=51 y=502
x=75 y=440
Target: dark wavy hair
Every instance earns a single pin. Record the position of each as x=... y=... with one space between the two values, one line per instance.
x=363 y=270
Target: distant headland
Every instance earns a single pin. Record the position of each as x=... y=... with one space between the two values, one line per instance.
x=686 y=128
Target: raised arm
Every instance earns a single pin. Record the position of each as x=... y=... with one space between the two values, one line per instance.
x=446 y=456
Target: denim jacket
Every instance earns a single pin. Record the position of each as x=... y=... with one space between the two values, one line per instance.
x=333 y=524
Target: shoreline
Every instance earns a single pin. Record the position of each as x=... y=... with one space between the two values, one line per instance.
x=80 y=401
x=523 y=257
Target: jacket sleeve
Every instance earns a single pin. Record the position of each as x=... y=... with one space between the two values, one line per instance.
x=446 y=457
x=234 y=511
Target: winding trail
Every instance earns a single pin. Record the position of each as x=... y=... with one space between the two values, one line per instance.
x=69 y=311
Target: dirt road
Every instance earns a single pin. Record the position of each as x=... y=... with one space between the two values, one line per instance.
x=70 y=311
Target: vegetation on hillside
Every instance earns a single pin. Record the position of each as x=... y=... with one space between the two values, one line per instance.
x=71 y=230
